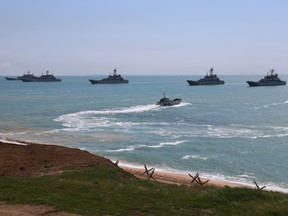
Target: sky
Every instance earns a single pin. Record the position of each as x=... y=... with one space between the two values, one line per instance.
x=143 y=37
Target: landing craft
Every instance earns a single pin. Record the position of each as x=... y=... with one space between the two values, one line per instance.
x=167 y=102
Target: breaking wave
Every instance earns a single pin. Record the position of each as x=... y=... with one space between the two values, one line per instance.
x=187 y=157
x=271 y=105
x=134 y=147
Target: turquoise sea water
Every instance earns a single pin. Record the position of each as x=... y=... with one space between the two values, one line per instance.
x=229 y=132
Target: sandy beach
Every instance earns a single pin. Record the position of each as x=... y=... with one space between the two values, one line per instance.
x=176 y=178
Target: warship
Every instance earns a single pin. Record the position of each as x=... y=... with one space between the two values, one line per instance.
x=28 y=75
x=167 y=102
x=111 y=79
x=43 y=78
x=269 y=80
x=210 y=79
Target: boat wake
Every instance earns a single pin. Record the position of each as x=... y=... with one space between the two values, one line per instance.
x=91 y=119
x=100 y=118
x=183 y=104
x=133 y=109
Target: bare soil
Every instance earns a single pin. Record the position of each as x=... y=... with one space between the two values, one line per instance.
x=40 y=159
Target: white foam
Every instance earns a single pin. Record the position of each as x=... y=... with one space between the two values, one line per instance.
x=129 y=148
x=271 y=105
x=133 y=109
x=187 y=157
x=244 y=131
x=276 y=135
x=183 y=104
x=232 y=132
x=166 y=143
x=85 y=120
x=13 y=133
x=11 y=142
x=134 y=147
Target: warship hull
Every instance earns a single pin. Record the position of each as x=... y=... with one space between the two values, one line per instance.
x=12 y=78
x=270 y=83
x=167 y=102
x=194 y=83
x=41 y=80
x=108 y=81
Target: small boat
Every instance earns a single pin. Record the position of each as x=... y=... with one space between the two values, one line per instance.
x=111 y=79
x=269 y=80
x=43 y=78
x=210 y=79
x=28 y=75
x=167 y=102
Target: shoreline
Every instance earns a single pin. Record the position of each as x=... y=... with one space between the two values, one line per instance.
x=177 y=177
x=161 y=175
x=182 y=177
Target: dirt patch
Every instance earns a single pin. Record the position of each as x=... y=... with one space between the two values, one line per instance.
x=40 y=159
x=30 y=210
x=37 y=159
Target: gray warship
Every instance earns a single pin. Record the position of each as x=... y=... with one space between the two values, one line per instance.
x=269 y=80
x=43 y=78
x=210 y=79
x=111 y=79
x=28 y=75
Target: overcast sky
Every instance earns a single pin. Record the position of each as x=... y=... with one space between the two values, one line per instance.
x=143 y=37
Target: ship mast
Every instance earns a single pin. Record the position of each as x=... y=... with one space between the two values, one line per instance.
x=211 y=71
x=115 y=72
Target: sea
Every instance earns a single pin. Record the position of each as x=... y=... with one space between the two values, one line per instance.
x=230 y=132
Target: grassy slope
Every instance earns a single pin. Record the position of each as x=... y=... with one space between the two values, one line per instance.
x=111 y=191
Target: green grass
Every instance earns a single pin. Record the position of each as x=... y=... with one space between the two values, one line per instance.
x=111 y=191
